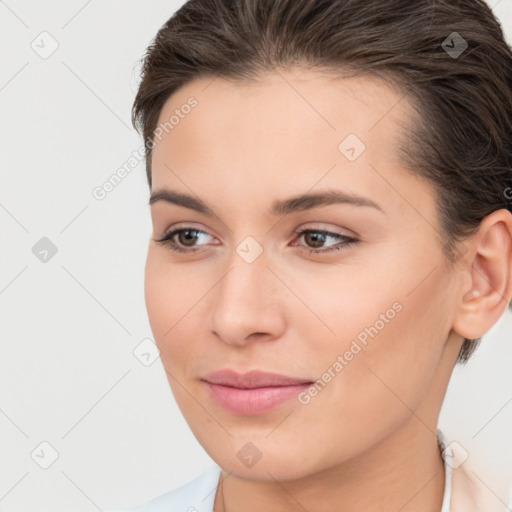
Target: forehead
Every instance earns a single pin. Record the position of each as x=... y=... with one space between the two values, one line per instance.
x=285 y=131
x=320 y=92
x=284 y=102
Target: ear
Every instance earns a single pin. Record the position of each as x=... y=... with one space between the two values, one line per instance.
x=486 y=284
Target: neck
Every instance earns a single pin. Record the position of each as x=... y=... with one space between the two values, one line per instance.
x=404 y=472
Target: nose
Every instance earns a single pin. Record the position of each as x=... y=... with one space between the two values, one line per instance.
x=247 y=303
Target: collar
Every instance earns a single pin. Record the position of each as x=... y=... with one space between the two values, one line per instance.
x=447 y=455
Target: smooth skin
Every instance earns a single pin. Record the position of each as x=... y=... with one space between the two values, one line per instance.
x=367 y=441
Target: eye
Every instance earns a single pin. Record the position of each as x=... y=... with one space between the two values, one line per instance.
x=186 y=236
x=318 y=237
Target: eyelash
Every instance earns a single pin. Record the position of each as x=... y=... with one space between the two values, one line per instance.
x=346 y=240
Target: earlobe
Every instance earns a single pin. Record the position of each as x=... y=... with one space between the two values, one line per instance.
x=489 y=274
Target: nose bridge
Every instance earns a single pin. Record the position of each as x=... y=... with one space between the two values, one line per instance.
x=246 y=298
x=248 y=272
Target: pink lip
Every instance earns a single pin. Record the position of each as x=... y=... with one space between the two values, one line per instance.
x=254 y=392
x=252 y=379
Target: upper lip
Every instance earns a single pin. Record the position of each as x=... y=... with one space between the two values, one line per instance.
x=252 y=379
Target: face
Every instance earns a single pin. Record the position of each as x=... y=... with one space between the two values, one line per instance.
x=354 y=297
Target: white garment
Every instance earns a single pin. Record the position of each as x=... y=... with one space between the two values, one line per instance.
x=462 y=492
x=197 y=495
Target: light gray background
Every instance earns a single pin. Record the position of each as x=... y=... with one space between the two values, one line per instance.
x=70 y=325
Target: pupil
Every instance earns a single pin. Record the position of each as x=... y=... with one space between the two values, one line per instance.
x=317 y=237
x=187 y=237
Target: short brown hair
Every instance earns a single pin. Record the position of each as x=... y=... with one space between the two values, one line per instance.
x=449 y=56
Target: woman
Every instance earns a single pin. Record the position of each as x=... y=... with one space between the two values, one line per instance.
x=332 y=231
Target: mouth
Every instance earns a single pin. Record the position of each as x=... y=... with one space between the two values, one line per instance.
x=252 y=379
x=254 y=392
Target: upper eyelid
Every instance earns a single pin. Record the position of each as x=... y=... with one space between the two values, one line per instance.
x=298 y=232
x=350 y=233
x=186 y=227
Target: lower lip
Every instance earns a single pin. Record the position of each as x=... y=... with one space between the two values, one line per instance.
x=253 y=401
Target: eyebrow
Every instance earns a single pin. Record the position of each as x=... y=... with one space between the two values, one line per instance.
x=279 y=207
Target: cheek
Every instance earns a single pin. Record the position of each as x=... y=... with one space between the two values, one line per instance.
x=169 y=291
x=157 y=295
x=391 y=339
x=165 y=305
x=401 y=360
x=173 y=294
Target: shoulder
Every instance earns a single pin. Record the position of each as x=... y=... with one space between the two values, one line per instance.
x=196 y=495
x=471 y=491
